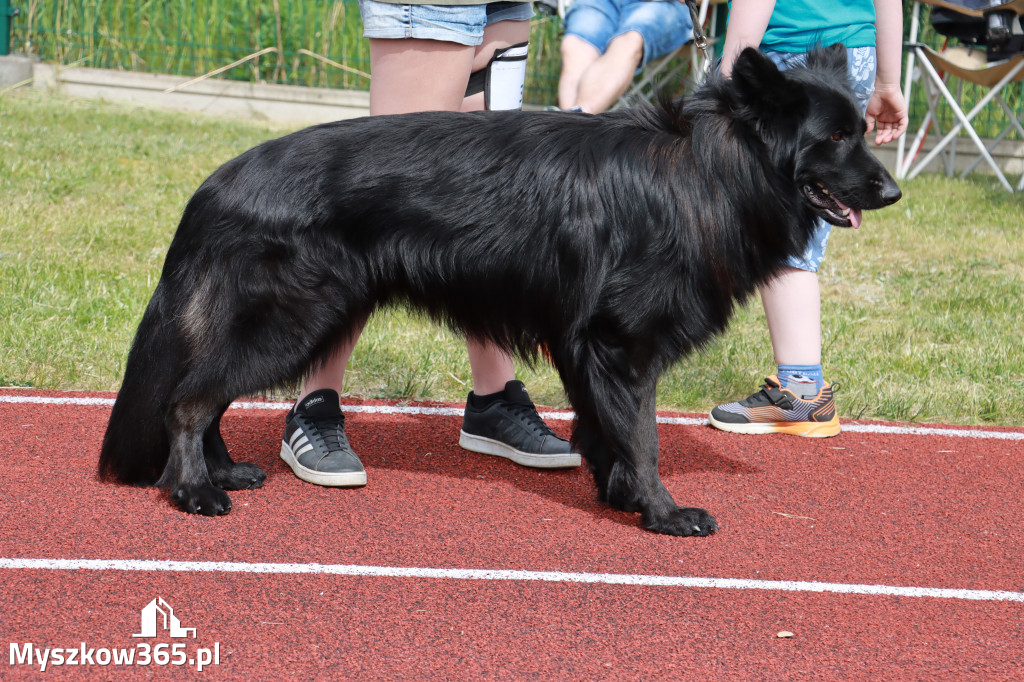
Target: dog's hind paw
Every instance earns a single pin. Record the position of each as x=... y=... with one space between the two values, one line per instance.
x=684 y=521
x=206 y=500
x=241 y=476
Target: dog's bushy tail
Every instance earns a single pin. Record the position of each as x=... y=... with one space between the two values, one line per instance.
x=136 y=445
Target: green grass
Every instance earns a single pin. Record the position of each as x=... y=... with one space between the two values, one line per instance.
x=922 y=311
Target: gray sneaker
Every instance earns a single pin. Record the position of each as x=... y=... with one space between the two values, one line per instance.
x=315 y=446
x=510 y=427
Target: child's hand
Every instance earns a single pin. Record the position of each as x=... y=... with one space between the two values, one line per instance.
x=887 y=111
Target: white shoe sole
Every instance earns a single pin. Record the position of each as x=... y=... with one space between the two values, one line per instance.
x=349 y=479
x=804 y=429
x=489 y=446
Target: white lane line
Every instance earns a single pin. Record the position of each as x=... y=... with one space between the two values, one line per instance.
x=952 y=432
x=506 y=575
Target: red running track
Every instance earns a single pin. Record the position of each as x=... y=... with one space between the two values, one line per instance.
x=888 y=553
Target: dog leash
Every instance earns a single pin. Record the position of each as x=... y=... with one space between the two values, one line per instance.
x=700 y=40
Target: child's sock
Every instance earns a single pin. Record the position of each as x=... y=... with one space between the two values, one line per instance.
x=803 y=380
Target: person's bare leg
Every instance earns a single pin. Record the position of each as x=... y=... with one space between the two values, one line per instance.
x=492 y=368
x=412 y=74
x=577 y=56
x=497 y=36
x=332 y=374
x=609 y=77
x=408 y=75
x=792 y=307
x=430 y=75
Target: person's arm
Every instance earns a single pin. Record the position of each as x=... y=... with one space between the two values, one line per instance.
x=748 y=20
x=887 y=109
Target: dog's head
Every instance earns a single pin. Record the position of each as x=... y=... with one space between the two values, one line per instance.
x=812 y=125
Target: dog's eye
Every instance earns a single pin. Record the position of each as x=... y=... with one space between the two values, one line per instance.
x=837 y=136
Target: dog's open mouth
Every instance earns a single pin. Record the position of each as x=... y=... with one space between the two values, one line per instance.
x=828 y=207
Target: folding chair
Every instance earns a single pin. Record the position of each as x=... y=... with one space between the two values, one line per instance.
x=682 y=66
x=971 y=63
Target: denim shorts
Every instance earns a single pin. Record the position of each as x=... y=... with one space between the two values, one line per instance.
x=463 y=24
x=664 y=26
x=861 y=63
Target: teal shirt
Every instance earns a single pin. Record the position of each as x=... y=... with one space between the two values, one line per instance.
x=799 y=25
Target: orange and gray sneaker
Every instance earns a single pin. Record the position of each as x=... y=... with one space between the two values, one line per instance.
x=774 y=409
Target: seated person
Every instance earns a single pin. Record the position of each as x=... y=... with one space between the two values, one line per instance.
x=607 y=42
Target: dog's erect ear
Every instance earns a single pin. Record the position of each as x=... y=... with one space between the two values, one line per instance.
x=753 y=72
x=830 y=60
x=762 y=86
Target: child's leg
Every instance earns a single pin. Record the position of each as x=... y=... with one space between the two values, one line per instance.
x=792 y=306
x=577 y=56
x=609 y=77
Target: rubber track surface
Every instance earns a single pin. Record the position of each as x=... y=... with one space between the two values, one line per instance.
x=888 y=553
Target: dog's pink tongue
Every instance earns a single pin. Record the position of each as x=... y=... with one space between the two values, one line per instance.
x=855 y=213
x=855 y=218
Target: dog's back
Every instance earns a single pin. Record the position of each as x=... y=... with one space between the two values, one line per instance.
x=545 y=204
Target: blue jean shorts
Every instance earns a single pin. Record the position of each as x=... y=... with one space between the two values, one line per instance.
x=665 y=26
x=463 y=24
x=862 y=63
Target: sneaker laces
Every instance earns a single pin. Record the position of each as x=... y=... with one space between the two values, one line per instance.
x=528 y=415
x=330 y=429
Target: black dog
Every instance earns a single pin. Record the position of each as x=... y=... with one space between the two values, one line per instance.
x=618 y=242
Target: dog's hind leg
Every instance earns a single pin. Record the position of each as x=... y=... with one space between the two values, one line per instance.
x=136 y=445
x=225 y=472
x=186 y=476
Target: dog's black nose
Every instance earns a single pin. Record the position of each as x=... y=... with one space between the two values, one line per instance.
x=888 y=191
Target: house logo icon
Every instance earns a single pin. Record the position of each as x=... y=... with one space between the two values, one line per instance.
x=159 y=612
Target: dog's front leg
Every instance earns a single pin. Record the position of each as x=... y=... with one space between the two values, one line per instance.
x=186 y=476
x=225 y=472
x=634 y=484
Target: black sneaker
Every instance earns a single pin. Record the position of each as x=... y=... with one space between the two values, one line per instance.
x=315 y=446
x=510 y=427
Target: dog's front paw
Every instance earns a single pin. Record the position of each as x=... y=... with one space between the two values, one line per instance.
x=206 y=500
x=684 y=521
x=241 y=476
